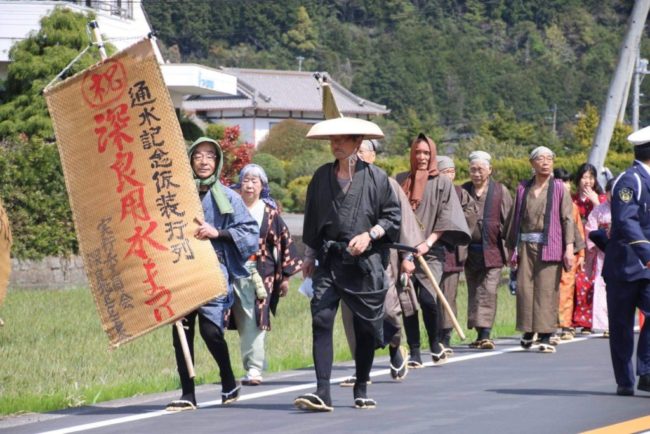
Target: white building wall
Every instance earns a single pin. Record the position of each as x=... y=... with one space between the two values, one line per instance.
x=252 y=129
x=19 y=18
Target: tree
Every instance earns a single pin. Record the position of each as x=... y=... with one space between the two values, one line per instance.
x=585 y=128
x=235 y=154
x=302 y=38
x=287 y=139
x=34 y=62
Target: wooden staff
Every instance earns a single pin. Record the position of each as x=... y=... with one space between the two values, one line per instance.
x=441 y=296
x=186 y=348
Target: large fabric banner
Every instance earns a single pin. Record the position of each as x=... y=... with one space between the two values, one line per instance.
x=5 y=250
x=132 y=194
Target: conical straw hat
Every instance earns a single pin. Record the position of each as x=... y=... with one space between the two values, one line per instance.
x=345 y=127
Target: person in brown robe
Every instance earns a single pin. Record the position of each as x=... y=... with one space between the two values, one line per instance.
x=487 y=254
x=568 y=278
x=440 y=216
x=400 y=262
x=455 y=256
x=540 y=232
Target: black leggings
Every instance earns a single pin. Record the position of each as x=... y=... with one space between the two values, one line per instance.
x=429 y=308
x=323 y=351
x=216 y=343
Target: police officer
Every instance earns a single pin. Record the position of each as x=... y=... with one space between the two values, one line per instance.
x=627 y=268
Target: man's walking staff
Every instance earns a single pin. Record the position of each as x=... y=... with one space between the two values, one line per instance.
x=427 y=271
x=441 y=296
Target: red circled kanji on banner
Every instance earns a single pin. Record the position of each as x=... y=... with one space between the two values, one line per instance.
x=104 y=85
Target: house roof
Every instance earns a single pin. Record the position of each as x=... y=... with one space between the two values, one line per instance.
x=276 y=90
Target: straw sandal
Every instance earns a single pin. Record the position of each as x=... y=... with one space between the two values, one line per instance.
x=180 y=405
x=567 y=335
x=364 y=403
x=399 y=373
x=546 y=348
x=415 y=360
x=230 y=397
x=487 y=344
x=349 y=382
x=311 y=402
x=476 y=344
x=527 y=343
x=440 y=357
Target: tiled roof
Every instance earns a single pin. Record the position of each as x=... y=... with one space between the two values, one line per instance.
x=283 y=91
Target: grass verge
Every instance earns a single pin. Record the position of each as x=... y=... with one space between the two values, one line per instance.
x=54 y=353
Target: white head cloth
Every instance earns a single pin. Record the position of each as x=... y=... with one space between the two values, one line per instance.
x=443 y=162
x=481 y=157
x=541 y=150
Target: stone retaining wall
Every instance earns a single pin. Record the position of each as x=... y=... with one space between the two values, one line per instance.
x=55 y=272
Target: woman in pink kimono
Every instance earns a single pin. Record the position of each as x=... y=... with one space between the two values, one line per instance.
x=599 y=218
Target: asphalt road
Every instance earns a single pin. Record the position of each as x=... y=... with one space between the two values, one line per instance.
x=503 y=391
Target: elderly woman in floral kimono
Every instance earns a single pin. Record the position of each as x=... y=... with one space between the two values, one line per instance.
x=270 y=268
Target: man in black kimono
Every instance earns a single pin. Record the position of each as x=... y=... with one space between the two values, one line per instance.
x=350 y=212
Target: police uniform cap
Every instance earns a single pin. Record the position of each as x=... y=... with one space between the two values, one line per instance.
x=640 y=137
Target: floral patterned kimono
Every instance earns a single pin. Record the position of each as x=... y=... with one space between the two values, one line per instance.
x=599 y=218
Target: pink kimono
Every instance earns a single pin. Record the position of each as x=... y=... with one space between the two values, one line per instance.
x=599 y=218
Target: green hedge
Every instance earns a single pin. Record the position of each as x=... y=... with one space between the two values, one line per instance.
x=510 y=171
x=33 y=191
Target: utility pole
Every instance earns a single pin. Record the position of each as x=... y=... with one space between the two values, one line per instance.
x=617 y=87
x=640 y=70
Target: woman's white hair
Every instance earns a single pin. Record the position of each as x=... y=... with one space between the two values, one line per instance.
x=253 y=170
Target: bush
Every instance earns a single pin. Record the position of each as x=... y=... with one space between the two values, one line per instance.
x=215 y=131
x=287 y=139
x=509 y=171
x=33 y=191
x=272 y=166
x=306 y=163
x=297 y=192
x=393 y=165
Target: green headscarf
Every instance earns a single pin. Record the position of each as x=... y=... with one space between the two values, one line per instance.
x=216 y=188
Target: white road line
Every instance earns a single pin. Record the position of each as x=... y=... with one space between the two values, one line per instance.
x=282 y=390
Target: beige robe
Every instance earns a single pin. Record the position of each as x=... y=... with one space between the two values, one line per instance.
x=439 y=210
x=482 y=282
x=538 y=281
x=449 y=280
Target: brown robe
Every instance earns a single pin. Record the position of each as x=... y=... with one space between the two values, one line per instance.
x=483 y=282
x=439 y=210
x=538 y=281
x=450 y=278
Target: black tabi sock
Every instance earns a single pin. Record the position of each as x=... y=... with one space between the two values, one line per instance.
x=483 y=332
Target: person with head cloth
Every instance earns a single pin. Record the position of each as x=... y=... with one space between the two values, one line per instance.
x=626 y=269
x=234 y=235
x=270 y=268
x=540 y=235
x=455 y=256
x=440 y=215
x=350 y=211
x=487 y=253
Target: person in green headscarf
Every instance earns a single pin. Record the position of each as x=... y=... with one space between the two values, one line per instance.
x=234 y=236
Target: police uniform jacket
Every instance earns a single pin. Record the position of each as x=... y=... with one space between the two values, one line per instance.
x=628 y=251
